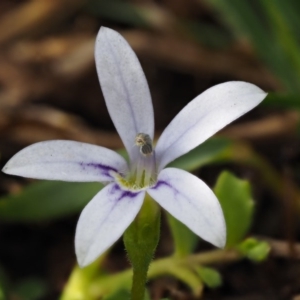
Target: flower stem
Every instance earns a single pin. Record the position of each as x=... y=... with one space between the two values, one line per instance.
x=164 y=266
x=138 y=284
x=141 y=239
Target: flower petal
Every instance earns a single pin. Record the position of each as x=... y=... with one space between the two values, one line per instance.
x=204 y=116
x=124 y=87
x=67 y=161
x=192 y=202
x=104 y=220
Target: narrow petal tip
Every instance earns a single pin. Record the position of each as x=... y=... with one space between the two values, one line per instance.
x=124 y=87
x=220 y=241
x=204 y=116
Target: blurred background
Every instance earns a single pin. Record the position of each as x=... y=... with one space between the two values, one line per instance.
x=49 y=90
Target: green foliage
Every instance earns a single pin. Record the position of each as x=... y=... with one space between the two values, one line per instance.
x=77 y=287
x=141 y=239
x=150 y=16
x=255 y=250
x=237 y=204
x=187 y=275
x=211 y=277
x=285 y=101
x=184 y=239
x=118 y=10
x=47 y=200
x=211 y=151
x=268 y=28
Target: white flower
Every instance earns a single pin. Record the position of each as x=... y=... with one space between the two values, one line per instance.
x=128 y=100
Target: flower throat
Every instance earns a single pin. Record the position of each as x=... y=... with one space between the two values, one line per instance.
x=143 y=166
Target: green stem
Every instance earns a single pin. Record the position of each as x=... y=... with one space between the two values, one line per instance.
x=139 y=280
x=141 y=239
x=160 y=267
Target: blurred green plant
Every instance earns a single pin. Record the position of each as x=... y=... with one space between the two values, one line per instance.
x=237 y=204
x=255 y=250
x=150 y=16
x=271 y=28
x=211 y=277
x=46 y=200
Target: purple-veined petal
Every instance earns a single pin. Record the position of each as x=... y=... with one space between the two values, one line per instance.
x=204 y=116
x=124 y=87
x=104 y=220
x=67 y=161
x=192 y=202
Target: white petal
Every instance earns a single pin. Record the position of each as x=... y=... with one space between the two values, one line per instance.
x=204 y=116
x=67 y=161
x=124 y=87
x=104 y=220
x=192 y=202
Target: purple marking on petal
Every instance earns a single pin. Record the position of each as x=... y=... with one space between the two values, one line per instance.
x=163 y=182
x=176 y=192
x=125 y=193
x=104 y=169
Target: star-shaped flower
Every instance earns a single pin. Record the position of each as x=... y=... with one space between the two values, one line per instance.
x=128 y=100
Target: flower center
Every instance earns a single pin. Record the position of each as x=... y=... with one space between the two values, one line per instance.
x=143 y=166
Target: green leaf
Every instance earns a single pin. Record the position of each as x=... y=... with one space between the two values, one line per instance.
x=184 y=239
x=286 y=101
x=265 y=26
x=237 y=204
x=212 y=151
x=78 y=285
x=211 y=277
x=254 y=250
x=118 y=11
x=47 y=200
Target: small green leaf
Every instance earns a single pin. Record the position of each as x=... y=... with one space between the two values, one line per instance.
x=184 y=239
x=47 y=200
x=211 y=277
x=254 y=250
x=212 y=151
x=237 y=204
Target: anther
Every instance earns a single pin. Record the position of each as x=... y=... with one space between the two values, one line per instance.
x=145 y=143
